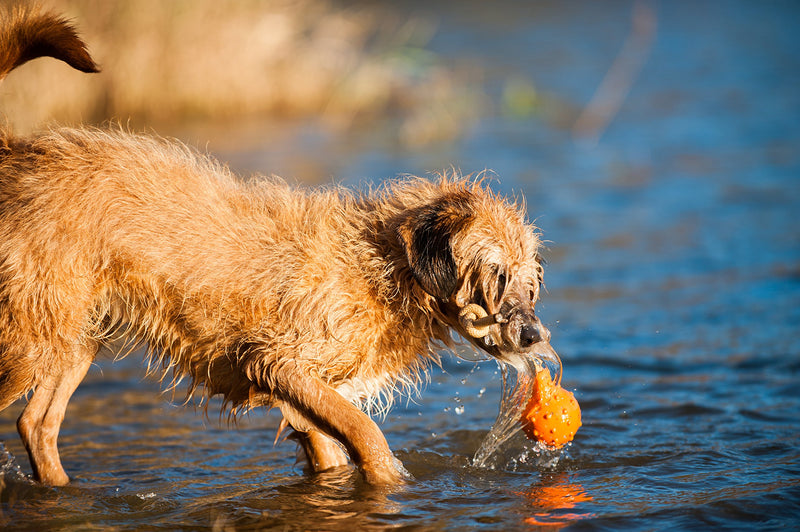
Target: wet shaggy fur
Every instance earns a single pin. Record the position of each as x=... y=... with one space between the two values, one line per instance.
x=320 y=302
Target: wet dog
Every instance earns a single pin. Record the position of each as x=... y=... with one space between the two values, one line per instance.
x=320 y=302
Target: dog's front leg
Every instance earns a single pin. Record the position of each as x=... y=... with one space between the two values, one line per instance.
x=339 y=419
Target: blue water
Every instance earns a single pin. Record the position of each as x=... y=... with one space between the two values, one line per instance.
x=673 y=296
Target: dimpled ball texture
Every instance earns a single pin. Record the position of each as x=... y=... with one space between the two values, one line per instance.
x=552 y=415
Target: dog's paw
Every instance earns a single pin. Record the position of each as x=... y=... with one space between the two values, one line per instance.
x=389 y=472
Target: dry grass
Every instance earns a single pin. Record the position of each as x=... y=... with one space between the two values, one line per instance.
x=167 y=62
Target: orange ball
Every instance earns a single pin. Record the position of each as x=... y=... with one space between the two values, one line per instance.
x=552 y=415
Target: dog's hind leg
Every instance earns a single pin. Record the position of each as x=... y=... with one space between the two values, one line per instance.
x=40 y=422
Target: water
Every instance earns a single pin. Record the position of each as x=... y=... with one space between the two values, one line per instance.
x=673 y=296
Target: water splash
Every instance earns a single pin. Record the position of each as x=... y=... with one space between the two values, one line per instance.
x=9 y=468
x=518 y=383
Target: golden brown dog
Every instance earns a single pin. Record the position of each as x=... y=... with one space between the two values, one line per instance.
x=319 y=302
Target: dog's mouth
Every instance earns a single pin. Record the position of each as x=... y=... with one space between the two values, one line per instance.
x=511 y=337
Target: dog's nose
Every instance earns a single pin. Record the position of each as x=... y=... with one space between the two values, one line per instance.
x=530 y=333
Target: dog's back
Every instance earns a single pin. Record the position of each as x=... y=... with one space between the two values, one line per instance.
x=104 y=228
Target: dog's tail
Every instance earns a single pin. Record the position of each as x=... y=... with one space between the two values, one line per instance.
x=27 y=33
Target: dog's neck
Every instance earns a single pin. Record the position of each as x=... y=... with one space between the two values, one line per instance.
x=390 y=274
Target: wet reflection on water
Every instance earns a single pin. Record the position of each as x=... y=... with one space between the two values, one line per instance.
x=556 y=502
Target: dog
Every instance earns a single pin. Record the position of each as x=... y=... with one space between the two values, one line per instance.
x=321 y=302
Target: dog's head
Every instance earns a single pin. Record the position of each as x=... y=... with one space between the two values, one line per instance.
x=477 y=257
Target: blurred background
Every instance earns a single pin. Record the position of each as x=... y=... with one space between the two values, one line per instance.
x=657 y=145
x=174 y=65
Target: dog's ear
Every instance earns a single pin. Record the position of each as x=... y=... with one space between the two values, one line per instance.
x=426 y=236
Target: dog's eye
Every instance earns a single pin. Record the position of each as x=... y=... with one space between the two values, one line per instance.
x=535 y=290
x=533 y=294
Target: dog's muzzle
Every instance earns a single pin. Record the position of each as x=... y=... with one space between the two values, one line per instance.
x=530 y=336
